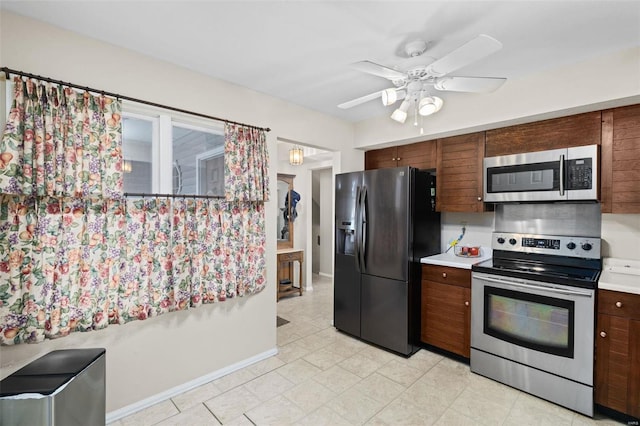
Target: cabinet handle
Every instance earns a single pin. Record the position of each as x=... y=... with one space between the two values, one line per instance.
x=394 y=159
x=444 y=275
x=618 y=304
x=603 y=334
x=466 y=303
x=398 y=158
x=479 y=198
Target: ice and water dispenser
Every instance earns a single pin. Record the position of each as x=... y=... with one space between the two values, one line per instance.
x=346 y=237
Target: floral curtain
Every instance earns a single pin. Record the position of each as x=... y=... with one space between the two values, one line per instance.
x=76 y=256
x=59 y=142
x=246 y=164
x=70 y=264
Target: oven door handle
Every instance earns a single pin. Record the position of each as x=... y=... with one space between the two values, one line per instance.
x=537 y=287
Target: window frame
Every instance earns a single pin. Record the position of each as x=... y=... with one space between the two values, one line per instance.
x=163 y=122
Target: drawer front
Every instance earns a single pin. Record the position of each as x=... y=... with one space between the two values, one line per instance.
x=619 y=304
x=289 y=257
x=447 y=275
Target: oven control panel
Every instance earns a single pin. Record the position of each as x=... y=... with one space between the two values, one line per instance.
x=584 y=247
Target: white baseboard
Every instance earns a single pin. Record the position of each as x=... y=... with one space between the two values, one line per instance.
x=116 y=415
x=324 y=274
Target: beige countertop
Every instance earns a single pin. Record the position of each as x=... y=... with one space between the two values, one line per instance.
x=620 y=275
x=450 y=259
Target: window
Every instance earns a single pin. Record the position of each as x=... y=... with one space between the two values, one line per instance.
x=191 y=150
x=198 y=166
x=137 y=140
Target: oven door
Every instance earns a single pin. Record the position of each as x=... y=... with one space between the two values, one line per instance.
x=545 y=326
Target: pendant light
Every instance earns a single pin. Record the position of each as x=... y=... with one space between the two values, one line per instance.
x=296 y=156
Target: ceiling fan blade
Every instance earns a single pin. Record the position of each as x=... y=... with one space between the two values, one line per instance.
x=471 y=51
x=468 y=84
x=360 y=100
x=379 y=70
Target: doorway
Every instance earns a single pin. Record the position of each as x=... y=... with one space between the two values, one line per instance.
x=321 y=222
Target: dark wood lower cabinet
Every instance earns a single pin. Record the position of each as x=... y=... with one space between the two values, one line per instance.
x=446 y=308
x=617 y=375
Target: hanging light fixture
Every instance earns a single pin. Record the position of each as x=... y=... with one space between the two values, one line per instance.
x=429 y=105
x=400 y=114
x=389 y=97
x=296 y=156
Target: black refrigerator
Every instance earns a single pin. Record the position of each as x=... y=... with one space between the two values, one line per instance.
x=385 y=222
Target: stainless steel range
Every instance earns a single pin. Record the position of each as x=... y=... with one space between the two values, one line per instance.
x=533 y=304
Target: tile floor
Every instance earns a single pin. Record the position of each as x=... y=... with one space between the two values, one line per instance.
x=323 y=377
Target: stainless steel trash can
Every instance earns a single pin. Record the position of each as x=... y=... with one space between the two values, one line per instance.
x=62 y=388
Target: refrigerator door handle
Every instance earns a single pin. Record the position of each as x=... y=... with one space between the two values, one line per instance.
x=363 y=240
x=357 y=229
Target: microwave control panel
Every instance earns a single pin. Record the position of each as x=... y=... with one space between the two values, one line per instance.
x=579 y=173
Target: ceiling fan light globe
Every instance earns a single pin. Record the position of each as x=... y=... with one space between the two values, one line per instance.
x=429 y=105
x=389 y=97
x=399 y=116
x=439 y=102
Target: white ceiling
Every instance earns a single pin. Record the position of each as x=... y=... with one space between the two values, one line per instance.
x=301 y=51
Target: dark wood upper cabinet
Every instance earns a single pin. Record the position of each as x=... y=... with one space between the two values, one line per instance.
x=563 y=132
x=458 y=160
x=459 y=173
x=620 y=160
x=381 y=158
x=421 y=155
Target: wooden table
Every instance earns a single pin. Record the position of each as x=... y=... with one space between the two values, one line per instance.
x=286 y=259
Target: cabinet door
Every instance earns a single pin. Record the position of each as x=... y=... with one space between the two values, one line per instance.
x=459 y=169
x=381 y=158
x=612 y=362
x=421 y=155
x=620 y=160
x=634 y=370
x=563 y=132
x=445 y=317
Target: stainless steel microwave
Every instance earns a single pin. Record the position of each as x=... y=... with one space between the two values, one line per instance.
x=555 y=175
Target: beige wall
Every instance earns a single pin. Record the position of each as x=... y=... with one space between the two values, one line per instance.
x=149 y=357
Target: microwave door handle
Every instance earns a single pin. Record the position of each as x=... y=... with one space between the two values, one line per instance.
x=562 y=175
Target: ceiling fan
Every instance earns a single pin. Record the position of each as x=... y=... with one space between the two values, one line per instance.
x=413 y=84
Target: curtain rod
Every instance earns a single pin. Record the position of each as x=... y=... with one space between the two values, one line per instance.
x=145 y=195
x=8 y=71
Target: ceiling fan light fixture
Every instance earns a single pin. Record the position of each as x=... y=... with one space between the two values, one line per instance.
x=400 y=114
x=389 y=97
x=429 y=105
